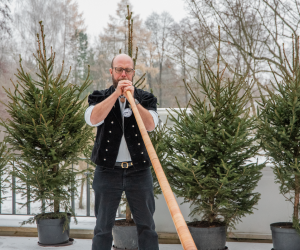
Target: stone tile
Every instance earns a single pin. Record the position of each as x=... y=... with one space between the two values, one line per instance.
x=30 y=243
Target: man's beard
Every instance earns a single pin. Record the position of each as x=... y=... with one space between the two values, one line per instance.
x=116 y=81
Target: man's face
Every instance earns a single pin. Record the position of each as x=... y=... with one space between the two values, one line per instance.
x=124 y=62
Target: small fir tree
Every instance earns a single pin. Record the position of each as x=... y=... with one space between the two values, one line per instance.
x=279 y=128
x=48 y=130
x=210 y=148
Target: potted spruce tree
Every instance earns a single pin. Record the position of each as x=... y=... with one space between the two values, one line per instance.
x=279 y=131
x=48 y=133
x=209 y=158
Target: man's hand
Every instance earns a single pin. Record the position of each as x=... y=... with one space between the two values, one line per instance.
x=126 y=85
x=120 y=86
x=147 y=118
x=102 y=109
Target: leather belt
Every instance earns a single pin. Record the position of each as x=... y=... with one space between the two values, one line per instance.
x=124 y=164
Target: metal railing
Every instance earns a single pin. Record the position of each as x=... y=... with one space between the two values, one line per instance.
x=28 y=207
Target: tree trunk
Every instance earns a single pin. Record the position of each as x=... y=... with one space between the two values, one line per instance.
x=184 y=71
x=296 y=203
x=160 y=85
x=212 y=215
x=56 y=202
x=125 y=50
x=65 y=32
x=198 y=70
x=81 y=194
x=252 y=105
x=184 y=77
x=128 y=213
x=149 y=80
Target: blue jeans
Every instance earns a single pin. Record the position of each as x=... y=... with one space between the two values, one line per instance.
x=108 y=185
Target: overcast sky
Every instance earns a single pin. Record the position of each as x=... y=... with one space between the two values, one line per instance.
x=96 y=12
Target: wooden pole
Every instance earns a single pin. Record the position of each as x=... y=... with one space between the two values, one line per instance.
x=183 y=232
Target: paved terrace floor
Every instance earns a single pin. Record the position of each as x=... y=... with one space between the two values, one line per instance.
x=30 y=243
x=87 y=224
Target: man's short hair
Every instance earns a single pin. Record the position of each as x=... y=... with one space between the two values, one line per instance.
x=112 y=62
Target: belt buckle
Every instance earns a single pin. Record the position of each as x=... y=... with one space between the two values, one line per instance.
x=123 y=163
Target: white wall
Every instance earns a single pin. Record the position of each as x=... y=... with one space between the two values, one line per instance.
x=272 y=207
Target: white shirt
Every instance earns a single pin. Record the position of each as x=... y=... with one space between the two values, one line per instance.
x=123 y=154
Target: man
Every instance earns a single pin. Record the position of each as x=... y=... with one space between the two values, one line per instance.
x=121 y=157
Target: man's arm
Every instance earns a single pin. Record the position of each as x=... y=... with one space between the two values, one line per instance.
x=146 y=117
x=101 y=110
x=145 y=114
x=87 y=117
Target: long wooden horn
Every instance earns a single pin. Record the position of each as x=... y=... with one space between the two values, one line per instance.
x=183 y=232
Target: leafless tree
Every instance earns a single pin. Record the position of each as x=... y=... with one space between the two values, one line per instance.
x=253 y=33
x=160 y=26
x=5 y=29
x=189 y=47
x=5 y=16
x=61 y=19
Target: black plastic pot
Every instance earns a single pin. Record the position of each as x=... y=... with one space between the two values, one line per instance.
x=125 y=237
x=213 y=238
x=284 y=238
x=50 y=231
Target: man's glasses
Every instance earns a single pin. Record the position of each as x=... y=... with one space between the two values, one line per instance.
x=128 y=71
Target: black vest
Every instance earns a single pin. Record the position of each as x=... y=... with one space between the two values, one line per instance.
x=110 y=132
